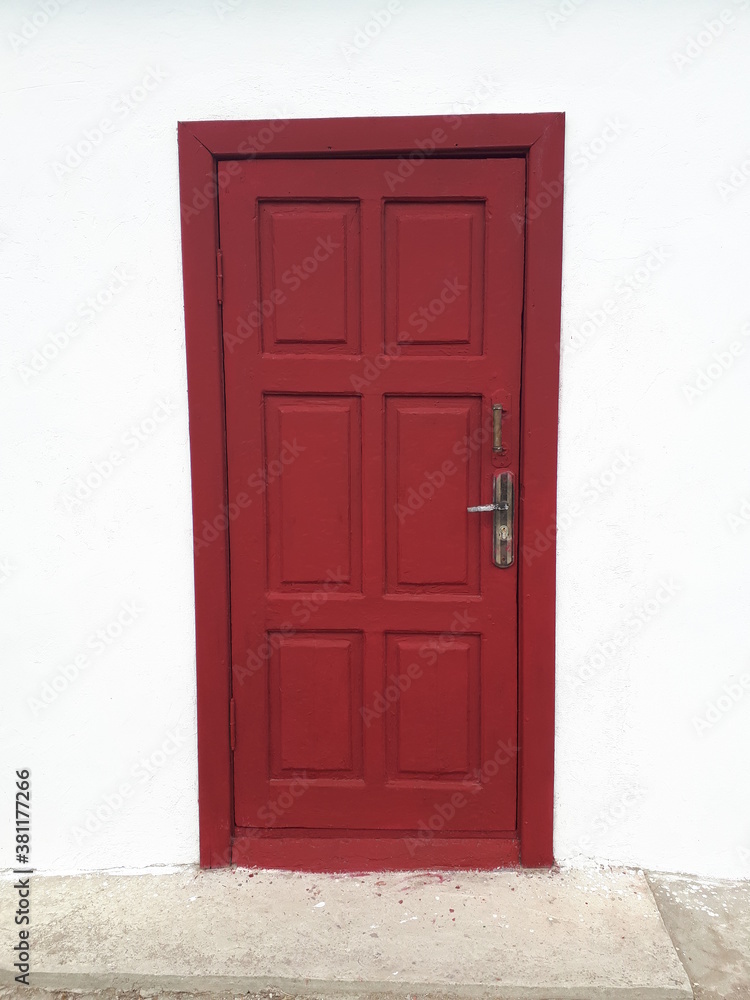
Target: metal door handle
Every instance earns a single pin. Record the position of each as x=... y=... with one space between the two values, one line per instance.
x=502 y=534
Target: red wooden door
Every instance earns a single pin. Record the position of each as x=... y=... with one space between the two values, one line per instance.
x=371 y=321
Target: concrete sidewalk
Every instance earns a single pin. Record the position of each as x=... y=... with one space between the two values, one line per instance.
x=709 y=923
x=507 y=935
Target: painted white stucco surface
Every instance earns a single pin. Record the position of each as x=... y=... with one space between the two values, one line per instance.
x=654 y=481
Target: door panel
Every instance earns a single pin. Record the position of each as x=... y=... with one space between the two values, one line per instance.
x=313 y=441
x=435 y=727
x=428 y=489
x=320 y=307
x=434 y=253
x=315 y=685
x=369 y=326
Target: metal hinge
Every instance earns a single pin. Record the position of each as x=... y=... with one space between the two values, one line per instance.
x=219 y=278
x=232 y=724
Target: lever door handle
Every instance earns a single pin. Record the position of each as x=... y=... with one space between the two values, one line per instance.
x=502 y=534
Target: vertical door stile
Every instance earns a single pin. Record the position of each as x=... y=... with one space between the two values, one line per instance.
x=371 y=389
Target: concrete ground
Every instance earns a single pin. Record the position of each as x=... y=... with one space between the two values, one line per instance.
x=507 y=935
x=709 y=923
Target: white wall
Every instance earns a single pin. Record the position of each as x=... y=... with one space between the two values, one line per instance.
x=636 y=782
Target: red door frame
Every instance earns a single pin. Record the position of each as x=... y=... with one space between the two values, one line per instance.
x=540 y=139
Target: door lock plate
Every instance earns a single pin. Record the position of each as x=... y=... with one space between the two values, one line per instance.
x=502 y=508
x=502 y=553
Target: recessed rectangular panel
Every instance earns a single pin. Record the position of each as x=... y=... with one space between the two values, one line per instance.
x=432 y=475
x=434 y=727
x=434 y=276
x=309 y=277
x=315 y=691
x=314 y=493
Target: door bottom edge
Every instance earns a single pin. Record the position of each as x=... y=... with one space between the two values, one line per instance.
x=373 y=854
